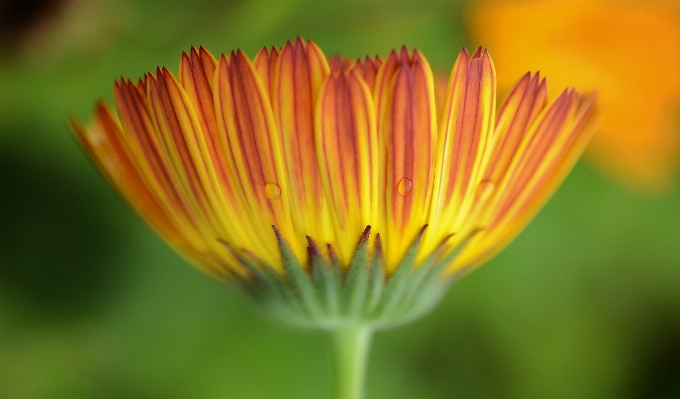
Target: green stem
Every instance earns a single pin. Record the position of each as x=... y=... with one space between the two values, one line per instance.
x=350 y=347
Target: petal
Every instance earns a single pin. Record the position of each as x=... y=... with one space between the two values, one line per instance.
x=245 y=119
x=175 y=118
x=381 y=93
x=347 y=149
x=103 y=140
x=190 y=160
x=300 y=73
x=465 y=143
x=338 y=63
x=145 y=145
x=369 y=67
x=142 y=141
x=527 y=98
x=385 y=75
x=521 y=108
x=265 y=65
x=547 y=152
x=409 y=130
x=197 y=71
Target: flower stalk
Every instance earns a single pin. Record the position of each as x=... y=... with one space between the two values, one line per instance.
x=350 y=357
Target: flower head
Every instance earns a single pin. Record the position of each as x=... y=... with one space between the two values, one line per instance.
x=322 y=148
x=598 y=44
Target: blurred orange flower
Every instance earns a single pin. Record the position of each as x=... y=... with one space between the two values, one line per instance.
x=629 y=51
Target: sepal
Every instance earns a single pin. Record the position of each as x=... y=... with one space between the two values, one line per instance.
x=324 y=294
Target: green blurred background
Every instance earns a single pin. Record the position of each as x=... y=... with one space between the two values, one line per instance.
x=584 y=304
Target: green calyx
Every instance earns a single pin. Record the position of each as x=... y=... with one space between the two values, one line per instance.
x=325 y=295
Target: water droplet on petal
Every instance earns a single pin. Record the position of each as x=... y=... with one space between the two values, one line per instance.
x=96 y=137
x=485 y=189
x=404 y=186
x=272 y=191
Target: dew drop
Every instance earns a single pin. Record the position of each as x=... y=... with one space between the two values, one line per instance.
x=272 y=191
x=485 y=189
x=405 y=186
x=96 y=137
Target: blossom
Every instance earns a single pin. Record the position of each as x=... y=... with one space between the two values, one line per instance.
x=345 y=159
x=629 y=51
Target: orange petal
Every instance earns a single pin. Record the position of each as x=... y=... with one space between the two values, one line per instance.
x=300 y=73
x=265 y=65
x=182 y=144
x=194 y=167
x=465 y=142
x=381 y=92
x=145 y=150
x=245 y=118
x=338 y=63
x=409 y=129
x=347 y=148
x=384 y=76
x=197 y=71
x=103 y=140
x=547 y=152
x=369 y=67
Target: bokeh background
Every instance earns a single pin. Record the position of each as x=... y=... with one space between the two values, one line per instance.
x=584 y=304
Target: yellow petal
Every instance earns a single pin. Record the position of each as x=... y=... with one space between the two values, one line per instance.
x=465 y=144
x=409 y=131
x=547 y=152
x=368 y=68
x=246 y=123
x=300 y=73
x=347 y=149
x=265 y=65
x=197 y=71
x=103 y=139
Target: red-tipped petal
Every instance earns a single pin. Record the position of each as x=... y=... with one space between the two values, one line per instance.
x=300 y=73
x=347 y=149
x=409 y=129
x=245 y=120
x=465 y=141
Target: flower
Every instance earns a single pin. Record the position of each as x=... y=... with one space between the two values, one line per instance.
x=629 y=51
x=320 y=149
